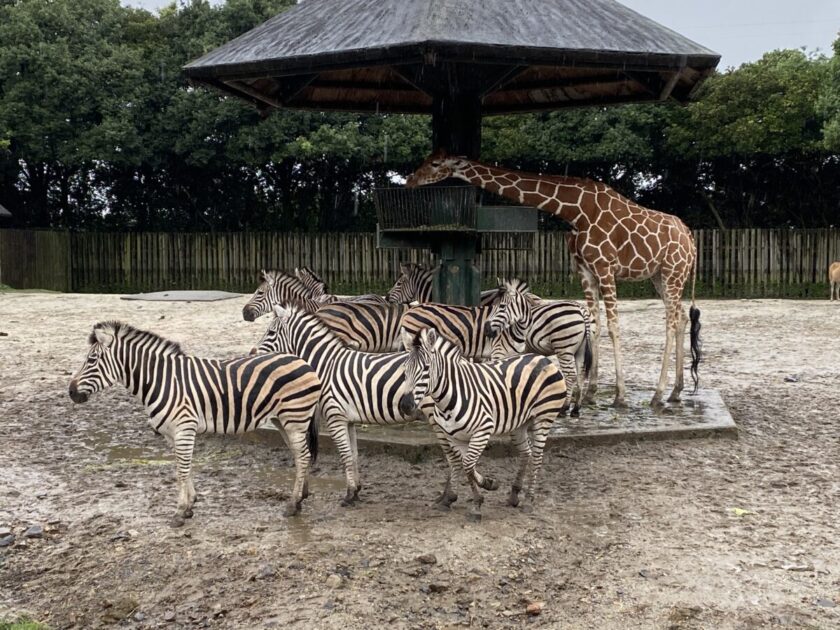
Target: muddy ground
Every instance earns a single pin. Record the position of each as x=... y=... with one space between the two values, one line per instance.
x=682 y=534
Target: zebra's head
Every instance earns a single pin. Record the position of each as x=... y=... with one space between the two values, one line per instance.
x=437 y=167
x=100 y=369
x=420 y=368
x=260 y=302
x=407 y=287
x=512 y=310
x=316 y=287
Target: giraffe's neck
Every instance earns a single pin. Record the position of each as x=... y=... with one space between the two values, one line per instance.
x=560 y=196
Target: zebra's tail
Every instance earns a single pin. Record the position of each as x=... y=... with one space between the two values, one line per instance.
x=312 y=438
x=587 y=343
x=694 y=331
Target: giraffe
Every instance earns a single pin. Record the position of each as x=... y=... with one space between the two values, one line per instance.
x=612 y=238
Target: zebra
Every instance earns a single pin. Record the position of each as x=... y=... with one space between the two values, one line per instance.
x=318 y=290
x=185 y=395
x=521 y=396
x=415 y=285
x=560 y=329
x=364 y=326
x=276 y=287
x=357 y=386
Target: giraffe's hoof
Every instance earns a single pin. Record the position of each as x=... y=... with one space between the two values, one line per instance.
x=656 y=403
x=619 y=403
x=490 y=484
x=674 y=398
x=176 y=521
x=474 y=516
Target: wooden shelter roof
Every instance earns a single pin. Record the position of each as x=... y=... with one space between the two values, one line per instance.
x=5 y=214
x=518 y=55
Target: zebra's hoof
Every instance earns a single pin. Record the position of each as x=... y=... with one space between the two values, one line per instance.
x=490 y=484
x=474 y=516
x=176 y=521
x=513 y=499
x=188 y=513
x=441 y=506
x=293 y=509
x=575 y=412
x=528 y=508
x=348 y=501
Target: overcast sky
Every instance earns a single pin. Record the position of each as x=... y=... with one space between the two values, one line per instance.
x=737 y=29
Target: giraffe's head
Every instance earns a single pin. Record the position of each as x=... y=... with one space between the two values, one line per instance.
x=437 y=167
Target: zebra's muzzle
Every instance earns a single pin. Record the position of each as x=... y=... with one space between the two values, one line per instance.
x=407 y=406
x=75 y=395
x=249 y=314
x=489 y=331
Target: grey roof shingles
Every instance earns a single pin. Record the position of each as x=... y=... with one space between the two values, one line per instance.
x=317 y=31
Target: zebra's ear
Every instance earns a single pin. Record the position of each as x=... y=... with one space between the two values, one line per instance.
x=500 y=281
x=430 y=337
x=407 y=339
x=267 y=276
x=404 y=268
x=281 y=312
x=103 y=338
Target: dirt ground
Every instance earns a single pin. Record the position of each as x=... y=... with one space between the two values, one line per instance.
x=681 y=534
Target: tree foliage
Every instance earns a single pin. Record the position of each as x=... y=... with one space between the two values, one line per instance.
x=99 y=130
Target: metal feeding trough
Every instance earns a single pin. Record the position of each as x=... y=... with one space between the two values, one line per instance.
x=448 y=221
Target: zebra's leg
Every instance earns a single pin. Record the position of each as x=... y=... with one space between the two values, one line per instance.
x=477 y=444
x=523 y=447
x=279 y=426
x=296 y=433
x=339 y=431
x=453 y=460
x=539 y=434
x=351 y=430
x=184 y=441
x=568 y=367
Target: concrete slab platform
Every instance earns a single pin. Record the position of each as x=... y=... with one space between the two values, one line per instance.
x=703 y=415
x=182 y=296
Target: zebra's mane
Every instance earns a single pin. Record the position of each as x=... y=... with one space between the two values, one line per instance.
x=315 y=322
x=127 y=331
x=445 y=345
x=515 y=285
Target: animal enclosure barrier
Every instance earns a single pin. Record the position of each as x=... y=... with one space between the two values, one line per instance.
x=735 y=263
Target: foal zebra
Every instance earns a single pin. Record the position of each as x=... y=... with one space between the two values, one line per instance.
x=561 y=329
x=186 y=395
x=357 y=386
x=521 y=395
x=367 y=327
x=415 y=285
x=277 y=287
x=318 y=290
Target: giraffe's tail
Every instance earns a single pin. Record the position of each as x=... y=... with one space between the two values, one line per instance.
x=694 y=330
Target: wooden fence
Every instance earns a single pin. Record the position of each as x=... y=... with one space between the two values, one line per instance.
x=736 y=263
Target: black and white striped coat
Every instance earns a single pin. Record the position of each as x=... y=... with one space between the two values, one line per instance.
x=186 y=395
x=318 y=290
x=558 y=329
x=365 y=326
x=415 y=285
x=522 y=396
x=277 y=287
x=358 y=387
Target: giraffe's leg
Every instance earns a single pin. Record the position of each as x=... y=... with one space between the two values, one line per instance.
x=590 y=290
x=679 y=381
x=608 y=291
x=477 y=444
x=184 y=442
x=666 y=358
x=523 y=446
